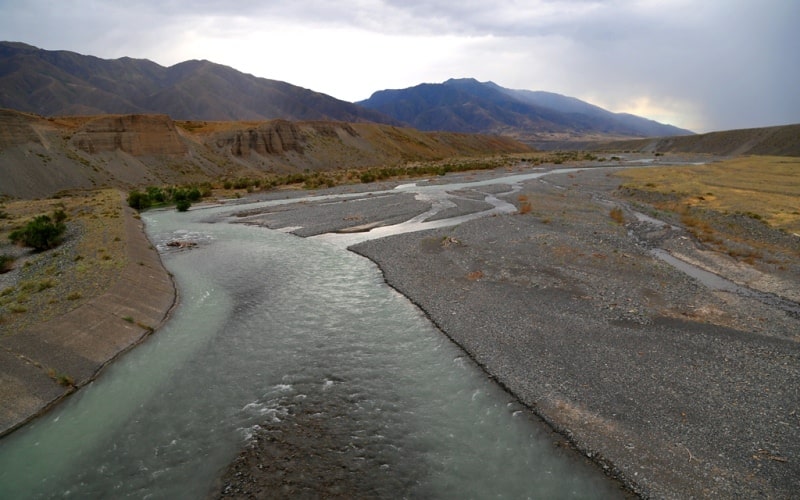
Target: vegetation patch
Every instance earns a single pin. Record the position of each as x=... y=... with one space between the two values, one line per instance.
x=400 y=171
x=746 y=207
x=61 y=378
x=617 y=215
x=524 y=204
x=41 y=233
x=761 y=187
x=48 y=283
x=181 y=196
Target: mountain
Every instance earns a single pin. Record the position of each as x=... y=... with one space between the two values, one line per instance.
x=63 y=83
x=57 y=83
x=466 y=105
x=40 y=156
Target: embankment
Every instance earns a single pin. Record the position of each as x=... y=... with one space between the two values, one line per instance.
x=46 y=362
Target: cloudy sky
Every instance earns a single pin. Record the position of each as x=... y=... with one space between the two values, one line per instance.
x=700 y=64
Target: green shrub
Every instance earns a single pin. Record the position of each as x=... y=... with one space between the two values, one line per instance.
x=183 y=205
x=138 y=200
x=194 y=194
x=156 y=194
x=42 y=233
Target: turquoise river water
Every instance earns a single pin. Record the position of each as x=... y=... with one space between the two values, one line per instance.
x=269 y=324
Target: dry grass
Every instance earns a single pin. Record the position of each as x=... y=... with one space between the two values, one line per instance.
x=617 y=215
x=762 y=187
x=475 y=275
x=524 y=204
x=44 y=285
x=717 y=202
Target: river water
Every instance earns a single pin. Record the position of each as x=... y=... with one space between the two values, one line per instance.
x=270 y=326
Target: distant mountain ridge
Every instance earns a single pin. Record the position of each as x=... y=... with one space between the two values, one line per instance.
x=62 y=83
x=467 y=105
x=782 y=140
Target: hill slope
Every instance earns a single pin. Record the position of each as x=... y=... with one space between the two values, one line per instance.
x=40 y=157
x=782 y=140
x=53 y=83
x=466 y=105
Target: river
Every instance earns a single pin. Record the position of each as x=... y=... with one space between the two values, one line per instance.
x=271 y=326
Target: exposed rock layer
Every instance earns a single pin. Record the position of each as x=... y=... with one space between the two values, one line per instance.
x=138 y=135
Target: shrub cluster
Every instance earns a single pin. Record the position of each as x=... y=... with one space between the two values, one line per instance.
x=242 y=183
x=182 y=197
x=42 y=233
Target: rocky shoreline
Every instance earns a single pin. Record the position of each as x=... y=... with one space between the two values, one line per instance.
x=674 y=388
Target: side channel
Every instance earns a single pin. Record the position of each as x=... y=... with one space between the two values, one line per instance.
x=271 y=327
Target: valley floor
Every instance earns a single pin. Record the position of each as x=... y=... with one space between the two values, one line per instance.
x=677 y=388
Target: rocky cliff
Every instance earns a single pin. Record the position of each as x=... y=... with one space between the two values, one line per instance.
x=270 y=138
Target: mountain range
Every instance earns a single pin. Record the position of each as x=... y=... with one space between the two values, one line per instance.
x=466 y=105
x=62 y=83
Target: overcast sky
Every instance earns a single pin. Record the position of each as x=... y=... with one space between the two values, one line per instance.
x=699 y=64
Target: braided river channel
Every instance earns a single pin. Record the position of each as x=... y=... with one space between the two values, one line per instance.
x=271 y=328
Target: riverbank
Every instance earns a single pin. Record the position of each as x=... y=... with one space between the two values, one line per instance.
x=44 y=362
x=677 y=389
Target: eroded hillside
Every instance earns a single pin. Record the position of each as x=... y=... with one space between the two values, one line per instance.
x=40 y=157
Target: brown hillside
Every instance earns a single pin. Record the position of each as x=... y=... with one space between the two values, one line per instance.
x=40 y=157
x=776 y=141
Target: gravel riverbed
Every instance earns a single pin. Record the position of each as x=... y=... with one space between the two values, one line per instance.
x=677 y=389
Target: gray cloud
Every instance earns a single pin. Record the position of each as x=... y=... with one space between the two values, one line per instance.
x=716 y=64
